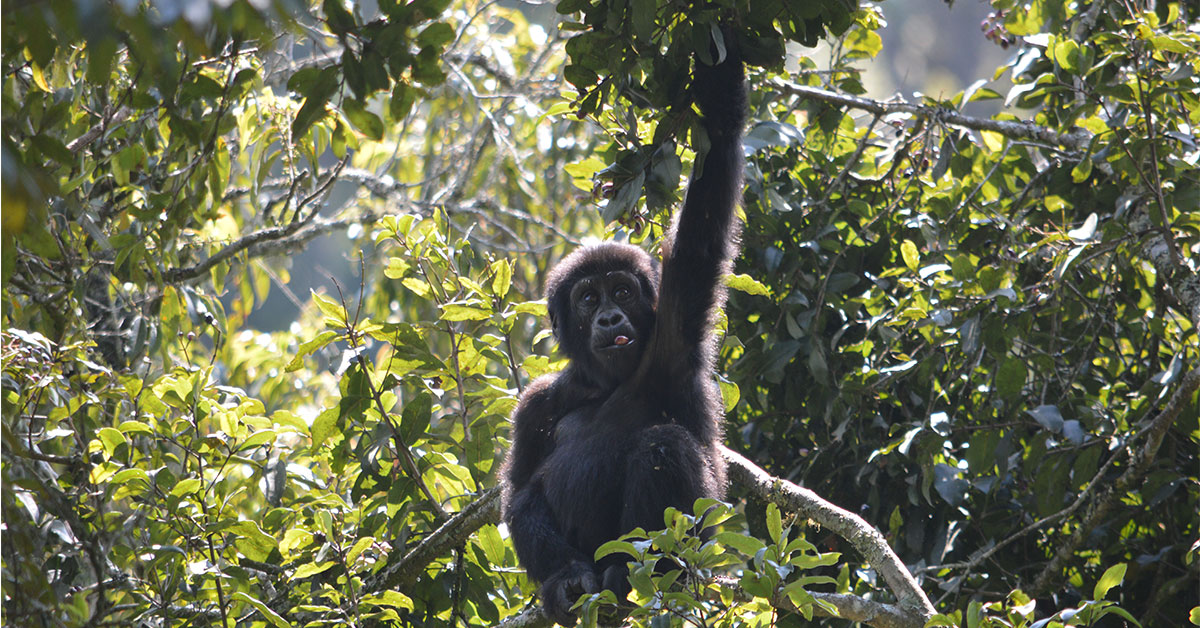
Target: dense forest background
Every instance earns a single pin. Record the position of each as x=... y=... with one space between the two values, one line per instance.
x=959 y=359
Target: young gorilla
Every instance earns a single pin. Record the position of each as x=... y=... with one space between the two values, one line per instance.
x=632 y=425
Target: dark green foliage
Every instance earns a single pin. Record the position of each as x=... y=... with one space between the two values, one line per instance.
x=971 y=334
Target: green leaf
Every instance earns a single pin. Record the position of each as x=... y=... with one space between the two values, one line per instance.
x=110 y=439
x=774 y=523
x=730 y=394
x=757 y=585
x=616 y=547
x=501 y=277
x=257 y=439
x=1010 y=377
x=437 y=35
x=580 y=76
x=974 y=614
x=625 y=199
x=1112 y=577
x=1082 y=170
x=252 y=542
x=493 y=546
x=100 y=58
x=566 y=7
x=311 y=569
x=812 y=561
x=459 y=312
x=536 y=308
x=325 y=426
x=402 y=100
x=364 y=121
x=419 y=287
x=912 y=259
x=315 y=100
x=642 y=14
x=803 y=600
x=339 y=19
x=51 y=147
x=391 y=599
x=186 y=487
x=747 y=545
x=259 y=606
x=130 y=475
x=335 y=314
x=324 y=338
x=426 y=68
x=358 y=548
x=1066 y=54
x=583 y=172
x=747 y=284
x=414 y=419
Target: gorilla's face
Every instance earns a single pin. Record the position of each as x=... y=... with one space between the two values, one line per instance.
x=602 y=300
x=616 y=318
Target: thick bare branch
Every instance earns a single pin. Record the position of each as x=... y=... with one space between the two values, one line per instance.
x=402 y=573
x=92 y=134
x=865 y=611
x=865 y=538
x=531 y=617
x=1077 y=139
x=851 y=607
x=912 y=612
x=267 y=241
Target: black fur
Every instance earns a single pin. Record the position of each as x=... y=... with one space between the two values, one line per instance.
x=629 y=428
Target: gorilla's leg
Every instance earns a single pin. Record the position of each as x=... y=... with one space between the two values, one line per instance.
x=666 y=467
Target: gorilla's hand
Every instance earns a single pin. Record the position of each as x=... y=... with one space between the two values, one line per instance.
x=615 y=578
x=561 y=590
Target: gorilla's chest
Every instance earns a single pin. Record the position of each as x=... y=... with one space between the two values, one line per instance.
x=584 y=476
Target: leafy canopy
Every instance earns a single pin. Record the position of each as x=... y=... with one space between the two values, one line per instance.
x=978 y=332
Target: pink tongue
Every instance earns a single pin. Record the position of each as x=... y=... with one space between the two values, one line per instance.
x=620 y=341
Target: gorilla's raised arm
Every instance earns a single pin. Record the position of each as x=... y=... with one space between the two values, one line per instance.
x=633 y=424
x=704 y=237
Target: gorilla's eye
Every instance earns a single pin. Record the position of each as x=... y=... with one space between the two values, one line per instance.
x=589 y=298
x=621 y=293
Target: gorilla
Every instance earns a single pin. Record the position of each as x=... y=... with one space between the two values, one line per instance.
x=633 y=424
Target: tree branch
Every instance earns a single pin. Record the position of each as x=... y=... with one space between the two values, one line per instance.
x=1138 y=467
x=404 y=572
x=92 y=134
x=531 y=617
x=269 y=241
x=912 y=611
x=979 y=556
x=862 y=610
x=865 y=538
x=1184 y=283
x=1077 y=139
x=851 y=607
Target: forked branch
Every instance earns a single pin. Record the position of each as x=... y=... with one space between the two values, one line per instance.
x=912 y=610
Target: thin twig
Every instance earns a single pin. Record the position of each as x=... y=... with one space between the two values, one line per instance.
x=1075 y=140
x=1154 y=433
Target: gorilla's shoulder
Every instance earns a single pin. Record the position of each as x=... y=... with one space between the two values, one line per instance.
x=542 y=386
x=540 y=396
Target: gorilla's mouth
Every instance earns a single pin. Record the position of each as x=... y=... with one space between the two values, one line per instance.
x=618 y=343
